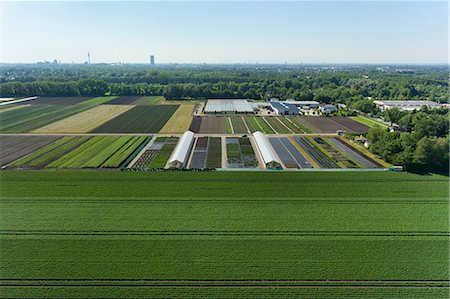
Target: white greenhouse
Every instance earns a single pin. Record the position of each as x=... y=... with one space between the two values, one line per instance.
x=266 y=150
x=180 y=155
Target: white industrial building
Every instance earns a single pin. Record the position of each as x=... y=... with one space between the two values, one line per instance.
x=180 y=155
x=230 y=106
x=266 y=150
x=406 y=105
x=327 y=109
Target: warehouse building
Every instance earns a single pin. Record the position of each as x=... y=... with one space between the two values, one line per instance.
x=266 y=150
x=284 y=108
x=180 y=155
x=406 y=105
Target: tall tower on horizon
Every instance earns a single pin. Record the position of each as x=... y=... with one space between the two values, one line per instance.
x=89 y=57
x=152 y=59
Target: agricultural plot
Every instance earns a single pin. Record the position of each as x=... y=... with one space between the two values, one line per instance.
x=239 y=126
x=180 y=121
x=369 y=122
x=207 y=153
x=256 y=123
x=294 y=125
x=289 y=154
x=157 y=154
x=125 y=100
x=46 y=155
x=214 y=125
x=11 y=107
x=316 y=155
x=240 y=153
x=223 y=234
x=141 y=119
x=85 y=121
x=36 y=116
x=15 y=147
x=149 y=100
x=350 y=125
x=196 y=124
x=356 y=155
x=277 y=125
x=334 y=154
x=59 y=100
x=100 y=152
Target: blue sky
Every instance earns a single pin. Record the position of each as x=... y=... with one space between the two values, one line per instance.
x=226 y=32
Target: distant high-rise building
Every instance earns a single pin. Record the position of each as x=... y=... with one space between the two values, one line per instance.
x=152 y=59
x=89 y=58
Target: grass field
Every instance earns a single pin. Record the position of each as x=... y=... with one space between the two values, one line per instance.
x=36 y=116
x=368 y=122
x=180 y=121
x=85 y=121
x=116 y=234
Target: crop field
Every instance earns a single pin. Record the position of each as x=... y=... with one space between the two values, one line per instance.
x=214 y=124
x=256 y=123
x=180 y=121
x=207 y=153
x=330 y=124
x=196 y=124
x=335 y=154
x=239 y=126
x=15 y=147
x=58 y=100
x=85 y=121
x=11 y=107
x=99 y=152
x=36 y=116
x=156 y=154
x=141 y=119
x=240 y=153
x=315 y=154
x=46 y=155
x=371 y=123
x=290 y=155
x=277 y=125
x=149 y=100
x=125 y=100
x=250 y=235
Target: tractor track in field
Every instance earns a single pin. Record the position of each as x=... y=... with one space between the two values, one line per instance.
x=225 y=233
x=180 y=283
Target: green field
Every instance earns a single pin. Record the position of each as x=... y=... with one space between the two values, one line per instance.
x=223 y=234
x=371 y=123
x=36 y=116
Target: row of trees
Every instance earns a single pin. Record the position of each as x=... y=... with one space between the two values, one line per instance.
x=344 y=85
x=423 y=147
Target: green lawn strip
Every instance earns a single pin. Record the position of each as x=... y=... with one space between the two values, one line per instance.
x=221 y=292
x=207 y=258
x=81 y=154
x=124 y=152
x=368 y=121
x=318 y=185
x=106 y=152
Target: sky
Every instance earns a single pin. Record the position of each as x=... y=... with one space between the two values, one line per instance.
x=225 y=32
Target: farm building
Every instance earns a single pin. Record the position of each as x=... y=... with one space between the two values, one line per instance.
x=304 y=104
x=406 y=105
x=180 y=155
x=327 y=109
x=229 y=106
x=266 y=150
x=284 y=108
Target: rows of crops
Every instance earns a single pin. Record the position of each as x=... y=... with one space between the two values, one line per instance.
x=207 y=153
x=39 y=115
x=156 y=154
x=161 y=235
x=240 y=153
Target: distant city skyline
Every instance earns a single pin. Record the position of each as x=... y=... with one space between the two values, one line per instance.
x=395 y=32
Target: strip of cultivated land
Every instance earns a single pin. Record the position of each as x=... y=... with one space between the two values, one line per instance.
x=36 y=116
x=180 y=121
x=247 y=235
x=85 y=121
